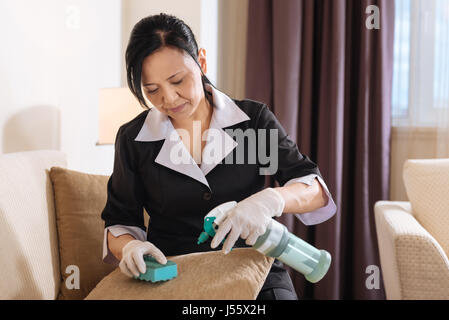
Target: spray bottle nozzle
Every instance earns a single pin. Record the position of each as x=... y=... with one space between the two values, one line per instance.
x=203 y=237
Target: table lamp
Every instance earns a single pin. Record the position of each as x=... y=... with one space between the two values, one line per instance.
x=116 y=107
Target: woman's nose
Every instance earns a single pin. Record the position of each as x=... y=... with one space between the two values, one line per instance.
x=169 y=97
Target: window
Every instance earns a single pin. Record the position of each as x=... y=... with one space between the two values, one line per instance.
x=421 y=62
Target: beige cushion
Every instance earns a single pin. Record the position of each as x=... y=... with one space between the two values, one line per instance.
x=29 y=261
x=201 y=276
x=79 y=200
x=427 y=185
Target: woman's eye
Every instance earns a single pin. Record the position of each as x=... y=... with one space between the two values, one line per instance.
x=153 y=91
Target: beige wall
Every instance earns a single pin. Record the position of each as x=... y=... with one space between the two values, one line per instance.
x=54 y=57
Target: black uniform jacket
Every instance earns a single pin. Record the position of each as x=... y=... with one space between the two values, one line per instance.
x=177 y=195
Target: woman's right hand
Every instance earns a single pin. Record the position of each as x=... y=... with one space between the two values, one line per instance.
x=132 y=257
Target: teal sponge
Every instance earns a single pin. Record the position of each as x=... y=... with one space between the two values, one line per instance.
x=158 y=272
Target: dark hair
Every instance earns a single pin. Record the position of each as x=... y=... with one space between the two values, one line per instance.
x=150 y=34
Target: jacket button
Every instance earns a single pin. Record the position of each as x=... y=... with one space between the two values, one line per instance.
x=207 y=195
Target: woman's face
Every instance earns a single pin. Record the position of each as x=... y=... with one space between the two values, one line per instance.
x=171 y=81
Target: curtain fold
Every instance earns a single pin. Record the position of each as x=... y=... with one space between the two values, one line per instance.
x=328 y=78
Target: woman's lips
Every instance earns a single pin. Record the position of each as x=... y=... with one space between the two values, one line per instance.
x=178 y=108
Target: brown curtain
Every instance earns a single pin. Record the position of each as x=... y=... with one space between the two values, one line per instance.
x=328 y=79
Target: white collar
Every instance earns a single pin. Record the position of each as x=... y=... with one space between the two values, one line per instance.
x=158 y=126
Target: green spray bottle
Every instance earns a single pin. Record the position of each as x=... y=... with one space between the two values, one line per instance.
x=278 y=243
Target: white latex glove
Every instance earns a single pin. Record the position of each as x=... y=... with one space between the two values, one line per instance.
x=132 y=257
x=249 y=218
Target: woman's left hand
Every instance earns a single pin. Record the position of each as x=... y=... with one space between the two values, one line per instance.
x=249 y=218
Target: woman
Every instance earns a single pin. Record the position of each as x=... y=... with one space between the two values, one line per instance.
x=177 y=161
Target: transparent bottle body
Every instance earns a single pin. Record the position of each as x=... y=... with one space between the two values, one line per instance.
x=300 y=255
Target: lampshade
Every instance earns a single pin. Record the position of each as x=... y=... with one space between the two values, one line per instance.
x=116 y=107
